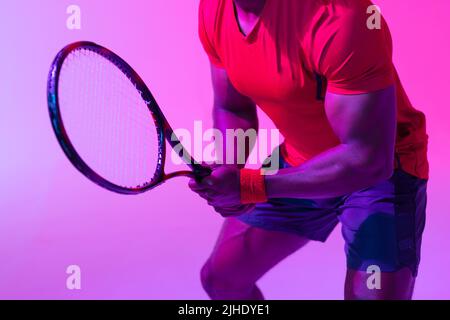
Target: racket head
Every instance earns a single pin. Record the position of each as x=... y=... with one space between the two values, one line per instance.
x=57 y=118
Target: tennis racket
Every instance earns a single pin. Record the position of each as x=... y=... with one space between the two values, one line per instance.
x=108 y=123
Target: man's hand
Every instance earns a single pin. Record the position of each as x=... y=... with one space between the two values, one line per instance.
x=222 y=190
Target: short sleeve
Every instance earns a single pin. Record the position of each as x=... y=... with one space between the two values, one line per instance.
x=206 y=18
x=354 y=58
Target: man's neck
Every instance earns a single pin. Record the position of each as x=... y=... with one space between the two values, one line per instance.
x=250 y=6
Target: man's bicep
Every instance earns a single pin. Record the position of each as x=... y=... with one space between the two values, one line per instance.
x=226 y=96
x=367 y=121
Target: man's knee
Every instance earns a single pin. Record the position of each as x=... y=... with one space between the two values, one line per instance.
x=206 y=278
x=220 y=284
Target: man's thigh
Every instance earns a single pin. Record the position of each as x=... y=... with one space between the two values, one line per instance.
x=398 y=285
x=245 y=253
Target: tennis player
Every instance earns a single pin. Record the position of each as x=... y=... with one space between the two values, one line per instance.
x=355 y=149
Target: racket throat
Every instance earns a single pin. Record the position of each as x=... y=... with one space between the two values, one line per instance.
x=186 y=173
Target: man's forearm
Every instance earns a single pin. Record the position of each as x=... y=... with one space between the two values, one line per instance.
x=336 y=172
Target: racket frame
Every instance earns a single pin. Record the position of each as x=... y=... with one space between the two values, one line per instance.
x=164 y=130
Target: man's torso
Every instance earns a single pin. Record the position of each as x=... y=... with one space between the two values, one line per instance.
x=294 y=44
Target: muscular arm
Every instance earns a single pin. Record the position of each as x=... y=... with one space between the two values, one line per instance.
x=231 y=110
x=366 y=126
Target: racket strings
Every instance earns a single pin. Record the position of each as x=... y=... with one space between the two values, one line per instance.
x=107 y=120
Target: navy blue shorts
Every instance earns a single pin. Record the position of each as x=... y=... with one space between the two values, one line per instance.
x=381 y=225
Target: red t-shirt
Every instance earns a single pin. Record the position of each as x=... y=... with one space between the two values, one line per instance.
x=293 y=45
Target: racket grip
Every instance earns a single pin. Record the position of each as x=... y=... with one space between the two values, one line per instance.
x=201 y=172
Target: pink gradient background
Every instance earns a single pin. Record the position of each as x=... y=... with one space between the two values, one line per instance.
x=152 y=246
